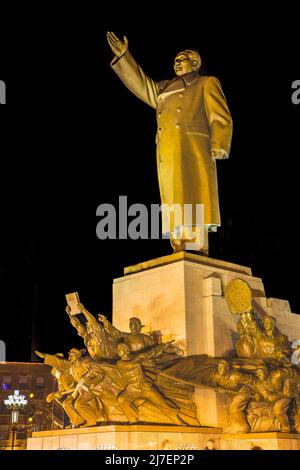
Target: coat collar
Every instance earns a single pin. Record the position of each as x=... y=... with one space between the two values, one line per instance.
x=190 y=78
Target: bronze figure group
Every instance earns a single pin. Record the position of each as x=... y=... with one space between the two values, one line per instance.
x=127 y=377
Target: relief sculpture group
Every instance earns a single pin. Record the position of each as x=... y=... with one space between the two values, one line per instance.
x=130 y=377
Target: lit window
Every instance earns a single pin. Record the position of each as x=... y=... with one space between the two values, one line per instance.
x=22 y=380
x=40 y=381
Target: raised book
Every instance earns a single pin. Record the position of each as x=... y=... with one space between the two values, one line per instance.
x=73 y=301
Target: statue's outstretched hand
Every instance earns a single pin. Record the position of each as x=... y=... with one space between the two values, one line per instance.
x=219 y=154
x=117 y=46
x=42 y=355
x=102 y=318
x=68 y=309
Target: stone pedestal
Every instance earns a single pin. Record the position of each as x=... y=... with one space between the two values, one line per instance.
x=181 y=297
x=116 y=437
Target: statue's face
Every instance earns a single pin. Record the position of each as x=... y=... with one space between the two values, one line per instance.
x=269 y=325
x=183 y=64
x=135 y=327
x=73 y=356
x=123 y=351
x=222 y=368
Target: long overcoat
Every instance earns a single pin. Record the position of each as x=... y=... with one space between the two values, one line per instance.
x=192 y=119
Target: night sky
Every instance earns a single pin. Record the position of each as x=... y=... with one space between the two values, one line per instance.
x=73 y=137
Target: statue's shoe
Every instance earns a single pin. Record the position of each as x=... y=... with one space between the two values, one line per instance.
x=177 y=245
x=88 y=425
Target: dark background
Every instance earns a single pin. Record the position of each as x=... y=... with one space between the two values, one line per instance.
x=72 y=137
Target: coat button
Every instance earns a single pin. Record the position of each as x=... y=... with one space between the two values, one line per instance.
x=178 y=110
x=178 y=125
x=159 y=114
x=159 y=129
x=180 y=95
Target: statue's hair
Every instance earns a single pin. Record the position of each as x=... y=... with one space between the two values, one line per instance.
x=268 y=317
x=193 y=55
x=225 y=363
x=75 y=350
x=136 y=319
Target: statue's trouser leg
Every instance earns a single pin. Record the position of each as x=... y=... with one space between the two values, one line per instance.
x=237 y=416
x=126 y=403
x=190 y=239
x=68 y=406
x=157 y=399
x=280 y=411
x=86 y=406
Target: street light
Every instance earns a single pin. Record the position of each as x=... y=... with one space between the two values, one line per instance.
x=15 y=403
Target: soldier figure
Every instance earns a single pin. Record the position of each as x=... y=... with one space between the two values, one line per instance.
x=138 y=386
x=239 y=384
x=136 y=340
x=99 y=343
x=61 y=372
x=83 y=405
x=275 y=388
x=272 y=343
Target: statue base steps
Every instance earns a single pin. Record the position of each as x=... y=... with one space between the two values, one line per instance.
x=154 y=437
x=125 y=437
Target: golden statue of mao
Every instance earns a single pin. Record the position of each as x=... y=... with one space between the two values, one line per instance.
x=194 y=128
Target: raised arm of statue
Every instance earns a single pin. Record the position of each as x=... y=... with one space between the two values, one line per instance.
x=110 y=329
x=154 y=352
x=90 y=318
x=130 y=72
x=81 y=329
x=53 y=361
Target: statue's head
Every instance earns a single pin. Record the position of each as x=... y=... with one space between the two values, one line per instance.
x=288 y=388
x=123 y=350
x=135 y=325
x=186 y=62
x=74 y=354
x=261 y=373
x=223 y=367
x=269 y=324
